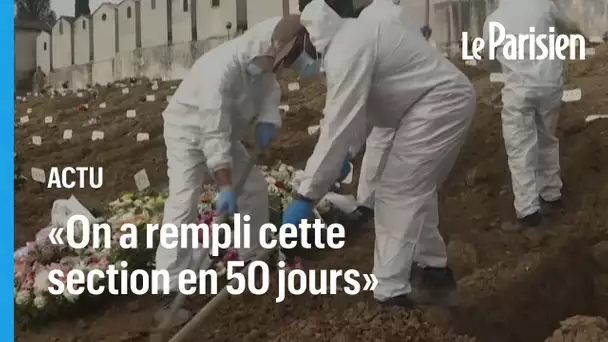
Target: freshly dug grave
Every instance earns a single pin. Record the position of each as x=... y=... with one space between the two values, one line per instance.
x=518 y=286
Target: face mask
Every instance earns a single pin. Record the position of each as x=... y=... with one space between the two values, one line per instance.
x=254 y=70
x=306 y=66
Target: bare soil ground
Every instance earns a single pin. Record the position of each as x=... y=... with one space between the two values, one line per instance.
x=514 y=286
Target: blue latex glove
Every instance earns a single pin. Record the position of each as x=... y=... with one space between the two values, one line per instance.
x=226 y=202
x=264 y=132
x=345 y=170
x=297 y=211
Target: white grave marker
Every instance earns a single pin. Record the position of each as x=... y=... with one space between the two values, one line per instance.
x=102 y=105
x=293 y=86
x=37 y=140
x=79 y=95
x=125 y=91
x=48 y=119
x=169 y=97
x=155 y=86
x=143 y=137
x=150 y=98
x=572 y=95
x=284 y=108
x=24 y=119
x=141 y=180
x=38 y=175
x=29 y=111
x=131 y=113
x=497 y=77
x=67 y=134
x=97 y=135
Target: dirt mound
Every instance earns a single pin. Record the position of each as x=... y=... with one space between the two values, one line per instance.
x=581 y=328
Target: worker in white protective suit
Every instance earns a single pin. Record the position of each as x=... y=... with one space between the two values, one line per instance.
x=410 y=87
x=221 y=97
x=378 y=146
x=531 y=99
x=380 y=138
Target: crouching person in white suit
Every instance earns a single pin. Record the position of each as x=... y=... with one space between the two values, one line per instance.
x=382 y=75
x=217 y=103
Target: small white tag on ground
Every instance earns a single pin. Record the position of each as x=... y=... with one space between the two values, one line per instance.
x=24 y=119
x=143 y=136
x=48 y=119
x=38 y=175
x=293 y=86
x=102 y=105
x=572 y=95
x=97 y=135
x=349 y=178
x=497 y=77
x=141 y=180
x=312 y=130
x=125 y=91
x=596 y=117
x=284 y=108
x=67 y=134
x=29 y=111
x=471 y=63
x=150 y=98
x=590 y=51
x=37 y=140
x=131 y=113
x=596 y=39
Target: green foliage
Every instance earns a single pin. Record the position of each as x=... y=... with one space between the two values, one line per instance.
x=36 y=10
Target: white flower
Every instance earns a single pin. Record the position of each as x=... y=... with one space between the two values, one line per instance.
x=270 y=180
x=282 y=168
x=41 y=281
x=70 y=297
x=138 y=203
x=23 y=298
x=40 y=302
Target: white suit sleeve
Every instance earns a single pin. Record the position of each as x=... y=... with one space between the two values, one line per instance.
x=344 y=126
x=271 y=98
x=215 y=122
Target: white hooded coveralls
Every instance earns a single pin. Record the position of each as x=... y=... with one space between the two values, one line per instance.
x=380 y=138
x=531 y=98
x=413 y=89
x=213 y=109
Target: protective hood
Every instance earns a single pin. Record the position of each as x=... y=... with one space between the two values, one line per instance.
x=256 y=41
x=321 y=22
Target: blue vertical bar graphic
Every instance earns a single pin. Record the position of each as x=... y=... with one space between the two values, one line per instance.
x=7 y=149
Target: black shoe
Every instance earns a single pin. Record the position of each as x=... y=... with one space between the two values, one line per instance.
x=434 y=286
x=530 y=221
x=550 y=207
x=401 y=301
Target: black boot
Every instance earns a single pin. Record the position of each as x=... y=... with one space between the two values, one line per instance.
x=549 y=208
x=530 y=221
x=402 y=301
x=434 y=286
